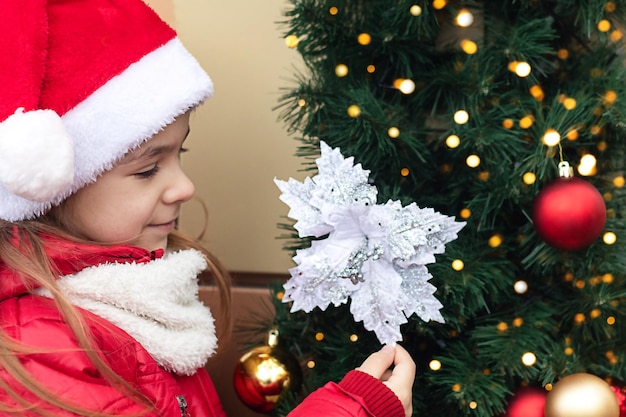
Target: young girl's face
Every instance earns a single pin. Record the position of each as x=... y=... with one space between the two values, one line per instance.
x=138 y=201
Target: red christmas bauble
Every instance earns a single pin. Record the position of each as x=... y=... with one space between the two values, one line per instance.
x=620 y=394
x=569 y=214
x=527 y=402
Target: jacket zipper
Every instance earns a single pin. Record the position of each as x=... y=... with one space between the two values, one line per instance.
x=182 y=404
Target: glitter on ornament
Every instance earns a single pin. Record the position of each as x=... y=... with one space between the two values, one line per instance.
x=374 y=254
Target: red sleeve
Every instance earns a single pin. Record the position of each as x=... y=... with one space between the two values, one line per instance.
x=357 y=395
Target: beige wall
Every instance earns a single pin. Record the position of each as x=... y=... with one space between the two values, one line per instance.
x=237 y=143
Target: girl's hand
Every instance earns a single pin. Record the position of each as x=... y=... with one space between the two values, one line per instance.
x=399 y=379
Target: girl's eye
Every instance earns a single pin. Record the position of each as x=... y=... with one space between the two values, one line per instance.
x=183 y=150
x=147 y=173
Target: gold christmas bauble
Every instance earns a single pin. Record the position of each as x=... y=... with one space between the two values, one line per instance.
x=265 y=373
x=581 y=395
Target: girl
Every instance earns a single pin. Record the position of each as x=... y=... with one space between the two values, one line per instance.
x=99 y=314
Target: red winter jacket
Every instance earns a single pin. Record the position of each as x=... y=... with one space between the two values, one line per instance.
x=68 y=373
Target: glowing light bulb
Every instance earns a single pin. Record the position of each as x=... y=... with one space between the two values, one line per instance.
x=526 y=122
x=569 y=103
x=469 y=47
x=520 y=286
x=529 y=178
x=434 y=365
x=453 y=141
x=354 y=111
x=407 y=86
x=341 y=70
x=439 y=4
x=458 y=265
x=495 y=241
x=393 y=132
x=522 y=69
x=464 y=18
x=529 y=359
x=551 y=137
x=364 y=39
x=292 y=41
x=604 y=25
x=472 y=161
x=415 y=10
x=609 y=238
x=587 y=165
x=461 y=117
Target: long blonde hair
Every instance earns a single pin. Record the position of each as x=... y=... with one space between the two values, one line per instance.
x=31 y=263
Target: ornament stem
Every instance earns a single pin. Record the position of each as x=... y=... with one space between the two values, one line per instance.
x=565 y=170
x=272 y=338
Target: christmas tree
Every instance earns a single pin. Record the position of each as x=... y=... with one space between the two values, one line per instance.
x=482 y=110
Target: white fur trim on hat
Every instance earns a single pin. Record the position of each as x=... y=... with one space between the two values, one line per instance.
x=36 y=155
x=129 y=109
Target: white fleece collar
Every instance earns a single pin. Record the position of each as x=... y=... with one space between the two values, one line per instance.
x=156 y=303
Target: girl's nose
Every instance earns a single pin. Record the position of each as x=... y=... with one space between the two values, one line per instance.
x=181 y=188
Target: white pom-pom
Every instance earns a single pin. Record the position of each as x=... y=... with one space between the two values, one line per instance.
x=36 y=155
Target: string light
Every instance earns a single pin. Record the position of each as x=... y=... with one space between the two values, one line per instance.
x=434 y=365
x=364 y=39
x=619 y=181
x=404 y=172
x=371 y=68
x=562 y=54
x=333 y=11
x=469 y=47
x=569 y=103
x=529 y=359
x=319 y=336
x=522 y=69
x=461 y=117
x=465 y=213
x=464 y=18
x=310 y=364
x=537 y=92
x=507 y=123
x=393 y=132
x=502 y=327
x=520 y=286
x=495 y=241
x=609 y=238
x=458 y=265
x=453 y=141
x=472 y=161
x=439 y=4
x=405 y=85
x=604 y=25
x=526 y=121
x=292 y=41
x=572 y=134
x=551 y=137
x=609 y=97
x=354 y=111
x=473 y=405
x=354 y=338
x=616 y=35
x=529 y=178
x=518 y=322
x=302 y=102
x=415 y=10
x=587 y=165
x=341 y=70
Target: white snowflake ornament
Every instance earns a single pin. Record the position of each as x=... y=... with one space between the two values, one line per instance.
x=373 y=254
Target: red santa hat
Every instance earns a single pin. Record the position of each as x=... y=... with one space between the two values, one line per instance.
x=82 y=83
